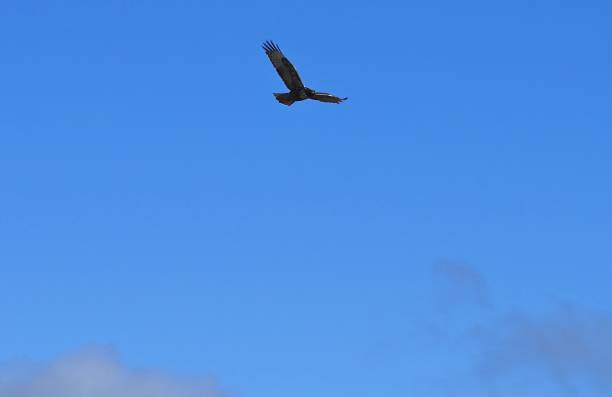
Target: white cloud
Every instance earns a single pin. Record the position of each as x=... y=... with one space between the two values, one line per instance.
x=98 y=373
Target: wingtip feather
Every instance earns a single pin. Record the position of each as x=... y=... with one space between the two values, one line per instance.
x=270 y=46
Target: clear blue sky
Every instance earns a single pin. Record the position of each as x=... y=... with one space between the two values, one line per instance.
x=157 y=199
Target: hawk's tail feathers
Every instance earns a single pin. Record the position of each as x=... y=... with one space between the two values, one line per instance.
x=285 y=99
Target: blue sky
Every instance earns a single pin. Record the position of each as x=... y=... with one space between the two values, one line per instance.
x=158 y=202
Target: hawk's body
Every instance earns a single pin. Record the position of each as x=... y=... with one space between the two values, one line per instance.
x=292 y=80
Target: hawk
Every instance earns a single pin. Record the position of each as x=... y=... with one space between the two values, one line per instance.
x=291 y=78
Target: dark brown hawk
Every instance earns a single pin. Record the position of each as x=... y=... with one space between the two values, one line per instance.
x=292 y=80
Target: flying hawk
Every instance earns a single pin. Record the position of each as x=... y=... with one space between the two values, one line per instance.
x=292 y=80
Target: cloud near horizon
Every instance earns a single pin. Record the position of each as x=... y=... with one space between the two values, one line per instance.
x=98 y=373
x=569 y=346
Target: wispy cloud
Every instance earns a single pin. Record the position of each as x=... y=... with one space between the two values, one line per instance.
x=98 y=373
x=461 y=284
x=570 y=346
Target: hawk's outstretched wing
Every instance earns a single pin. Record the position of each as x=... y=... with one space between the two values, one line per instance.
x=325 y=97
x=285 y=69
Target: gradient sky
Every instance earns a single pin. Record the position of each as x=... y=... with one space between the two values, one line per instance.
x=446 y=230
